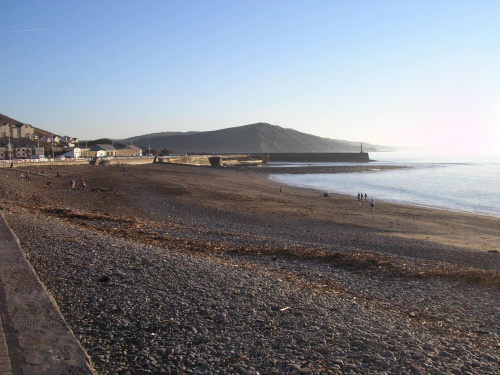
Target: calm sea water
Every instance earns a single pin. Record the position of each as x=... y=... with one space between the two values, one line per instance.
x=448 y=182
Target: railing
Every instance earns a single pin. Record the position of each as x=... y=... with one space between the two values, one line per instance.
x=8 y=163
x=17 y=162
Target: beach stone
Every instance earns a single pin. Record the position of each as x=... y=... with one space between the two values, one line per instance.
x=388 y=354
x=338 y=362
x=179 y=306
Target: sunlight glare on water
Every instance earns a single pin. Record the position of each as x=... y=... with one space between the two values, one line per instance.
x=469 y=186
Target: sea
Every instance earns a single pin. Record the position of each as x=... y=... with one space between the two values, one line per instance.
x=451 y=182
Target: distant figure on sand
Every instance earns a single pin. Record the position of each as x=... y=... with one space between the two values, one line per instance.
x=366 y=197
x=72 y=183
x=372 y=203
x=82 y=183
x=359 y=197
x=281 y=190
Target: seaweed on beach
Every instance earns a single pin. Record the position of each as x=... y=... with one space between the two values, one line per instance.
x=364 y=262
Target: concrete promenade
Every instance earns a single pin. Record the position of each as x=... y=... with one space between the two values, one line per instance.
x=34 y=337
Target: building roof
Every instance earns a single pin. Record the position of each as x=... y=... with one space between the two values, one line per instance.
x=18 y=142
x=103 y=147
x=132 y=147
x=15 y=125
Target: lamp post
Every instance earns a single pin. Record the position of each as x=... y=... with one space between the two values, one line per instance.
x=10 y=149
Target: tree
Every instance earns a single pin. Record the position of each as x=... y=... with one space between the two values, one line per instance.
x=167 y=151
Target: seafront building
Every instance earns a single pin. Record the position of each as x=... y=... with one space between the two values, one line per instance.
x=23 y=148
x=103 y=150
x=131 y=150
x=17 y=141
x=16 y=131
x=20 y=141
x=74 y=153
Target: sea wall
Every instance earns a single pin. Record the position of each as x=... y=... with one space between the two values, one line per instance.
x=190 y=159
x=320 y=157
x=71 y=161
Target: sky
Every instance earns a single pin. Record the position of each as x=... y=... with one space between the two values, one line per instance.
x=396 y=73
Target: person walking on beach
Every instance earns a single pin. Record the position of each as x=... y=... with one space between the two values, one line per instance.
x=82 y=183
x=372 y=204
x=72 y=183
x=359 y=197
x=366 y=197
x=281 y=190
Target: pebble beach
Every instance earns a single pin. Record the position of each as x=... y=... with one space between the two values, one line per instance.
x=171 y=269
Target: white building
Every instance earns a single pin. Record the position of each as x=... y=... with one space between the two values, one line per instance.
x=73 y=153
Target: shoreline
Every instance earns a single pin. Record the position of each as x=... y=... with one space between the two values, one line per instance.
x=360 y=169
x=446 y=209
x=176 y=269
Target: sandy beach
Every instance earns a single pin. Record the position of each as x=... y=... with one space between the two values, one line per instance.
x=163 y=268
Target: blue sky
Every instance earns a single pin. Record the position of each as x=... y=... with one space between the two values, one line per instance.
x=413 y=73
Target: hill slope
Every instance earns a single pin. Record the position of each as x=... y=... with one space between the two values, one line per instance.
x=253 y=138
x=40 y=132
x=4 y=119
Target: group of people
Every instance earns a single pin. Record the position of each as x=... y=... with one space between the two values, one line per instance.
x=360 y=197
x=365 y=196
x=49 y=183
x=24 y=176
x=82 y=183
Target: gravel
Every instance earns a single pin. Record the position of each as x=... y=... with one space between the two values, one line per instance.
x=151 y=283
x=142 y=309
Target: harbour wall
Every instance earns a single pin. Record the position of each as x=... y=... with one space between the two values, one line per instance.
x=189 y=159
x=310 y=157
x=232 y=159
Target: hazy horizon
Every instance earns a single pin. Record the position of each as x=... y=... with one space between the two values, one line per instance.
x=399 y=74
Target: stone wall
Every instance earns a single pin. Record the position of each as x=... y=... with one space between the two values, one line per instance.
x=320 y=157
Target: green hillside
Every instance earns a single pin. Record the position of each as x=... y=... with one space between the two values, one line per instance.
x=253 y=138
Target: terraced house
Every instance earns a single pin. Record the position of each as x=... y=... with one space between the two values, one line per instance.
x=18 y=148
x=16 y=131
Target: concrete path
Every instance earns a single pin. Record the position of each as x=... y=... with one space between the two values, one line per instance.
x=34 y=338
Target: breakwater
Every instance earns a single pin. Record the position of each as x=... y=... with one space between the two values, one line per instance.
x=310 y=157
x=188 y=159
x=233 y=159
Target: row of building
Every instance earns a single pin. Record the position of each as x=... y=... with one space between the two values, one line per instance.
x=16 y=131
x=103 y=150
x=20 y=141
x=11 y=149
x=19 y=149
x=26 y=131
